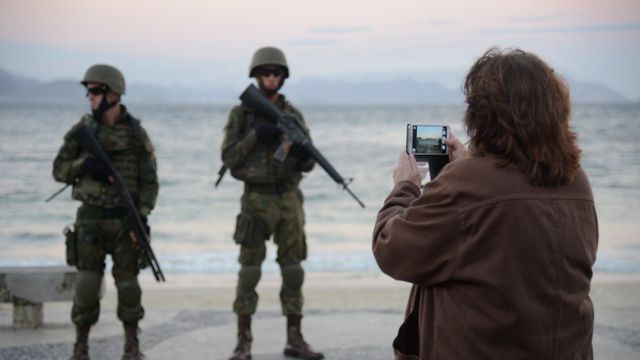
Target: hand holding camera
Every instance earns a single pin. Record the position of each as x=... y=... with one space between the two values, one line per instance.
x=435 y=145
x=456 y=148
x=408 y=170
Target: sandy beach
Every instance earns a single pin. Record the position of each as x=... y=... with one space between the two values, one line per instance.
x=347 y=316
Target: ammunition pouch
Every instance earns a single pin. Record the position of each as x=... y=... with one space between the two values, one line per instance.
x=101 y=213
x=71 y=245
x=239 y=174
x=253 y=171
x=250 y=230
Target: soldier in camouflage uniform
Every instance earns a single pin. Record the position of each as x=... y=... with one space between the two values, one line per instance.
x=102 y=226
x=271 y=204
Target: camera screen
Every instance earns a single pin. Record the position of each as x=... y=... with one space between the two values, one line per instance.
x=429 y=140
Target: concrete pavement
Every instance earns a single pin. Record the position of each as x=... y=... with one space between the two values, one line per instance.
x=353 y=319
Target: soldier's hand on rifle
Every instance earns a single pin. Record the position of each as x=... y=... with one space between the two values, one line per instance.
x=98 y=170
x=298 y=151
x=147 y=229
x=267 y=132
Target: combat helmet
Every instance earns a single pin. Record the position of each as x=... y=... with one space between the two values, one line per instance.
x=268 y=56
x=105 y=74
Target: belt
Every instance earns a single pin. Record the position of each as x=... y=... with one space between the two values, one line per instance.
x=97 y=212
x=276 y=189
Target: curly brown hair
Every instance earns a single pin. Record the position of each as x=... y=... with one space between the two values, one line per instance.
x=518 y=110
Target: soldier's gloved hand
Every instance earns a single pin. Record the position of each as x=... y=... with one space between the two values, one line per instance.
x=267 y=132
x=98 y=170
x=298 y=151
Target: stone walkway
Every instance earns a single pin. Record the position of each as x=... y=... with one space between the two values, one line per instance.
x=210 y=334
x=355 y=319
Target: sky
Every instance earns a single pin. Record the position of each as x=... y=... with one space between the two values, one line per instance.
x=210 y=42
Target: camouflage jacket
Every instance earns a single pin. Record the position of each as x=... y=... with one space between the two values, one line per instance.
x=251 y=160
x=131 y=152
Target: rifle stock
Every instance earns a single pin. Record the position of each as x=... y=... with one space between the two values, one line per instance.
x=255 y=99
x=86 y=139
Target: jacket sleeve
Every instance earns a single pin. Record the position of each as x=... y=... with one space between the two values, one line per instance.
x=68 y=163
x=237 y=143
x=148 y=174
x=416 y=237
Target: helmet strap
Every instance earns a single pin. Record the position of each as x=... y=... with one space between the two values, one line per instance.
x=103 y=107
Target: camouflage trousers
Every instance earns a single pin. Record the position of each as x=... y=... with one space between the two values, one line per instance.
x=263 y=215
x=100 y=232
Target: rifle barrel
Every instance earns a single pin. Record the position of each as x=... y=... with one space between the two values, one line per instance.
x=353 y=195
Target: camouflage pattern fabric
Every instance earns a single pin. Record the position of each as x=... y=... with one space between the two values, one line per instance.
x=262 y=216
x=98 y=234
x=101 y=224
x=251 y=160
x=271 y=206
x=131 y=152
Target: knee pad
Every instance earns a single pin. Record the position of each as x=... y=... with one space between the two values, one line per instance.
x=292 y=277
x=88 y=285
x=129 y=292
x=248 y=277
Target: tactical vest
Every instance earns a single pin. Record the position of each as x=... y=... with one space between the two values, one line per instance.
x=260 y=168
x=123 y=144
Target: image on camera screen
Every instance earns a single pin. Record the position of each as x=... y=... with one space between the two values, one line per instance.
x=429 y=139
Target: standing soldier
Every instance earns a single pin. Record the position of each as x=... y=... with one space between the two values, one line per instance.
x=271 y=204
x=102 y=226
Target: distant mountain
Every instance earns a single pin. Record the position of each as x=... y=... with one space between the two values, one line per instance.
x=11 y=84
x=180 y=94
x=392 y=92
x=588 y=92
x=20 y=88
x=306 y=91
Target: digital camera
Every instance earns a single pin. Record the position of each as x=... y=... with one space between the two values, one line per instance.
x=425 y=141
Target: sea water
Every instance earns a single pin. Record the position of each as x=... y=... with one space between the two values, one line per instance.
x=193 y=222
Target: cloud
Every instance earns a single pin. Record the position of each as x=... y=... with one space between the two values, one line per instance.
x=442 y=22
x=531 y=19
x=311 y=42
x=339 y=30
x=594 y=28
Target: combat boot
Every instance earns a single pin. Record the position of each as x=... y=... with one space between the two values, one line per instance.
x=131 y=343
x=243 y=349
x=81 y=347
x=296 y=346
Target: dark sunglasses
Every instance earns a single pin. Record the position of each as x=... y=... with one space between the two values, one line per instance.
x=266 y=72
x=99 y=90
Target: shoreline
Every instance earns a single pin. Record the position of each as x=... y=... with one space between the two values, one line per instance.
x=268 y=279
x=314 y=279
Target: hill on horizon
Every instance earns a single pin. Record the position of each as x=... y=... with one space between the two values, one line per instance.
x=305 y=91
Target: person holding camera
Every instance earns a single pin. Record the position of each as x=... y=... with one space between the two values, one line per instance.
x=500 y=245
x=271 y=203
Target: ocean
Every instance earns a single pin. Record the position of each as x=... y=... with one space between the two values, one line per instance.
x=193 y=222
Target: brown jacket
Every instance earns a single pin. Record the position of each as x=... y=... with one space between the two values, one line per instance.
x=501 y=269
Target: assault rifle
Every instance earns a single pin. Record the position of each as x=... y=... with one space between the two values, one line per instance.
x=253 y=98
x=85 y=138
